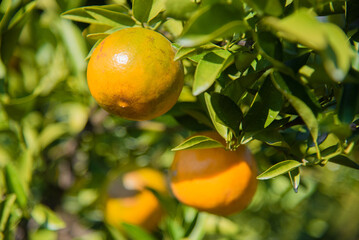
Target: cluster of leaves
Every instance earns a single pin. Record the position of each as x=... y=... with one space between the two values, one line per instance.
x=279 y=75
x=278 y=72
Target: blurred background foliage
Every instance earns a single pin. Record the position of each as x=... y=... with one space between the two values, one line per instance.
x=59 y=150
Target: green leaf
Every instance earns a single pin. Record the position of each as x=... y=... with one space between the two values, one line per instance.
x=51 y=133
x=79 y=15
x=136 y=233
x=272 y=138
x=279 y=168
x=326 y=38
x=145 y=10
x=302 y=27
x=45 y=217
x=264 y=109
x=15 y=185
x=198 y=142
x=6 y=207
x=271 y=45
x=344 y=161
x=349 y=102
x=243 y=60
x=300 y=100
x=223 y=23
x=218 y=125
x=184 y=52
x=227 y=111
x=9 y=38
x=269 y=7
x=209 y=68
x=294 y=176
x=237 y=88
x=180 y=9
x=110 y=18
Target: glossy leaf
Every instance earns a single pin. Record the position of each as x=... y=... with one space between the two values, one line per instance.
x=198 y=142
x=45 y=217
x=278 y=169
x=224 y=22
x=209 y=68
x=136 y=233
x=344 y=161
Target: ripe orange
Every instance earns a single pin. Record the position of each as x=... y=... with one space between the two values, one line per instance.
x=135 y=204
x=132 y=74
x=214 y=180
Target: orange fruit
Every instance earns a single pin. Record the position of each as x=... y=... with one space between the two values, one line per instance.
x=132 y=73
x=131 y=202
x=214 y=180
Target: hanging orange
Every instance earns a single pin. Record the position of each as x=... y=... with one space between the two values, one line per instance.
x=132 y=74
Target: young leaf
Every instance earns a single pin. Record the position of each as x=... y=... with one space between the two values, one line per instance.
x=224 y=22
x=278 y=169
x=198 y=142
x=344 y=161
x=45 y=217
x=180 y=9
x=136 y=233
x=208 y=69
x=294 y=176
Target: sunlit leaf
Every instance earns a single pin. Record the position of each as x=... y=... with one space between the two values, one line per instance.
x=278 y=169
x=219 y=126
x=6 y=207
x=198 y=142
x=224 y=22
x=47 y=218
x=208 y=69
x=15 y=185
x=136 y=233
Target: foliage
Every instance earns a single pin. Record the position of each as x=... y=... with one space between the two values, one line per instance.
x=280 y=76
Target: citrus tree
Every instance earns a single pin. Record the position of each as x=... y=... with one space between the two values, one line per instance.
x=280 y=77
